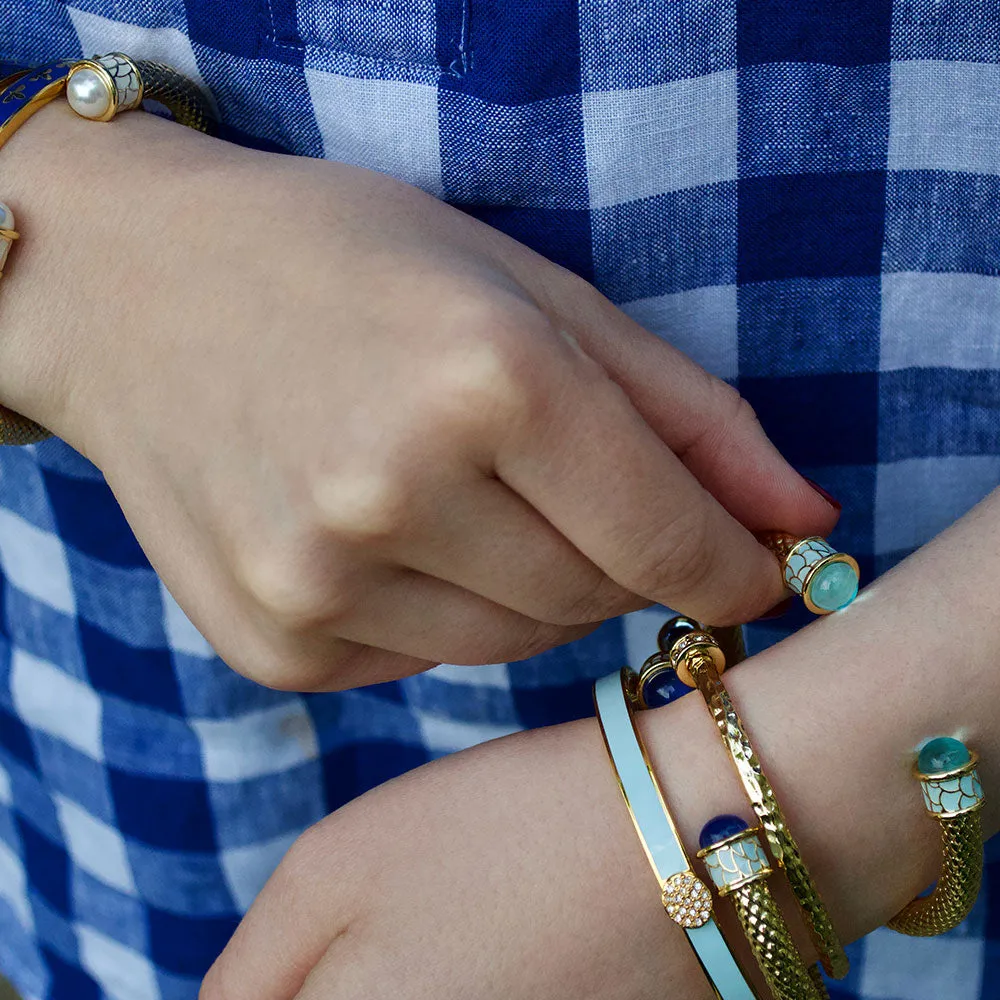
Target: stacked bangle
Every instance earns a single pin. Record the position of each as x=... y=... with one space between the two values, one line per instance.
x=98 y=89
x=685 y=897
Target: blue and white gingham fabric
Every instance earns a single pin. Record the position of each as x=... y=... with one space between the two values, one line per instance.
x=803 y=196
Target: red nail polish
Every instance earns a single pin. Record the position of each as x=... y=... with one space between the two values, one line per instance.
x=832 y=501
x=781 y=608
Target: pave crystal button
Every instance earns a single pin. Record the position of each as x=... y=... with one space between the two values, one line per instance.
x=942 y=754
x=687 y=900
x=833 y=586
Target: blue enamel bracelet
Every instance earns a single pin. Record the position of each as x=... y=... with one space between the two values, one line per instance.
x=689 y=900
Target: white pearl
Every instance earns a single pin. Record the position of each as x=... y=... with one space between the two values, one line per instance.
x=87 y=94
x=6 y=217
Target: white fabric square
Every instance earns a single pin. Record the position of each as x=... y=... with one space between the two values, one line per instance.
x=56 y=703
x=248 y=868
x=181 y=634
x=14 y=886
x=94 y=846
x=944 y=115
x=947 y=320
x=265 y=742
x=652 y=140
x=99 y=35
x=384 y=125
x=489 y=675
x=122 y=973
x=35 y=562
x=897 y=967
x=442 y=735
x=918 y=498
x=701 y=322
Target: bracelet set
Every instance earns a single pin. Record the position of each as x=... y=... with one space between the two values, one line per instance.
x=97 y=89
x=736 y=858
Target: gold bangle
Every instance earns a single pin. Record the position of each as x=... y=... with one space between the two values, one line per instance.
x=953 y=795
x=738 y=868
x=697 y=654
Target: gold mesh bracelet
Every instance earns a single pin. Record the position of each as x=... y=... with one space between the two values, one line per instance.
x=738 y=868
x=953 y=795
x=698 y=659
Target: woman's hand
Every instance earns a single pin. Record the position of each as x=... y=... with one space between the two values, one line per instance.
x=356 y=431
x=511 y=871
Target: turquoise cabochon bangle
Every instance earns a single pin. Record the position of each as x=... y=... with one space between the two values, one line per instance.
x=685 y=897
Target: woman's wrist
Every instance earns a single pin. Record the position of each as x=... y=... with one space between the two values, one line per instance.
x=74 y=187
x=836 y=712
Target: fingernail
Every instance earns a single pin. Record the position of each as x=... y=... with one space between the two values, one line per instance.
x=832 y=501
x=777 y=611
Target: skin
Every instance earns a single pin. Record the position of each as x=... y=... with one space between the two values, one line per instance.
x=512 y=870
x=356 y=431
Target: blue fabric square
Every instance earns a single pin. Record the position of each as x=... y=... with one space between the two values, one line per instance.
x=57 y=456
x=211 y=690
x=260 y=809
x=163 y=812
x=627 y=44
x=15 y=740
x=236 y=27
x=20 y=953
x=32 y=799
x=369 y=763
x=685 y=239
x=803 y=118
x=819 y=419
x=184 y=946
x=965 y=30
x=176 y=987
x=32 y=33
x=519 y=51
x=47 y=865
x=8 y=830
x=471 y=703
x=109 y=911
x=242 y=89
x=81 y=779
x=88 y=517
x=188 y=882
x=42 y=631
x=811 y=225
x=942 y=222
x=838 y=32
x=125 y=603
x=54 y=928
x=529 y=155
x=137 y=739
x=139 y=676
x=24 y=488
x=809 y=325
x=69 y=980
x=966 y=407
x=562 y=236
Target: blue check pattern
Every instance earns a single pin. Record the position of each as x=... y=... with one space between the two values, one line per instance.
x=803 y=196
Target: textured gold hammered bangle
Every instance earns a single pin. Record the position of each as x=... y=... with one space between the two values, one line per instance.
x=97 y=89
x=737 y=866
x=698 y=660
x=953 y=795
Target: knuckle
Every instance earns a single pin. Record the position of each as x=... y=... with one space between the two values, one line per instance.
x=293 y=587
x=496 y=371
x=361 y=508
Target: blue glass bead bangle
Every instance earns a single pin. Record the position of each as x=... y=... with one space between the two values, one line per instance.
x=682 y=891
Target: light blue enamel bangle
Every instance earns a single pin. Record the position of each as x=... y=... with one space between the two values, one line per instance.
x=685 y=897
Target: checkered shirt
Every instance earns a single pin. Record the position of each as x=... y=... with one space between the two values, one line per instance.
x=802 y=196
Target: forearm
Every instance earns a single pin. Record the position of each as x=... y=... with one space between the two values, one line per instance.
x=836 y=711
